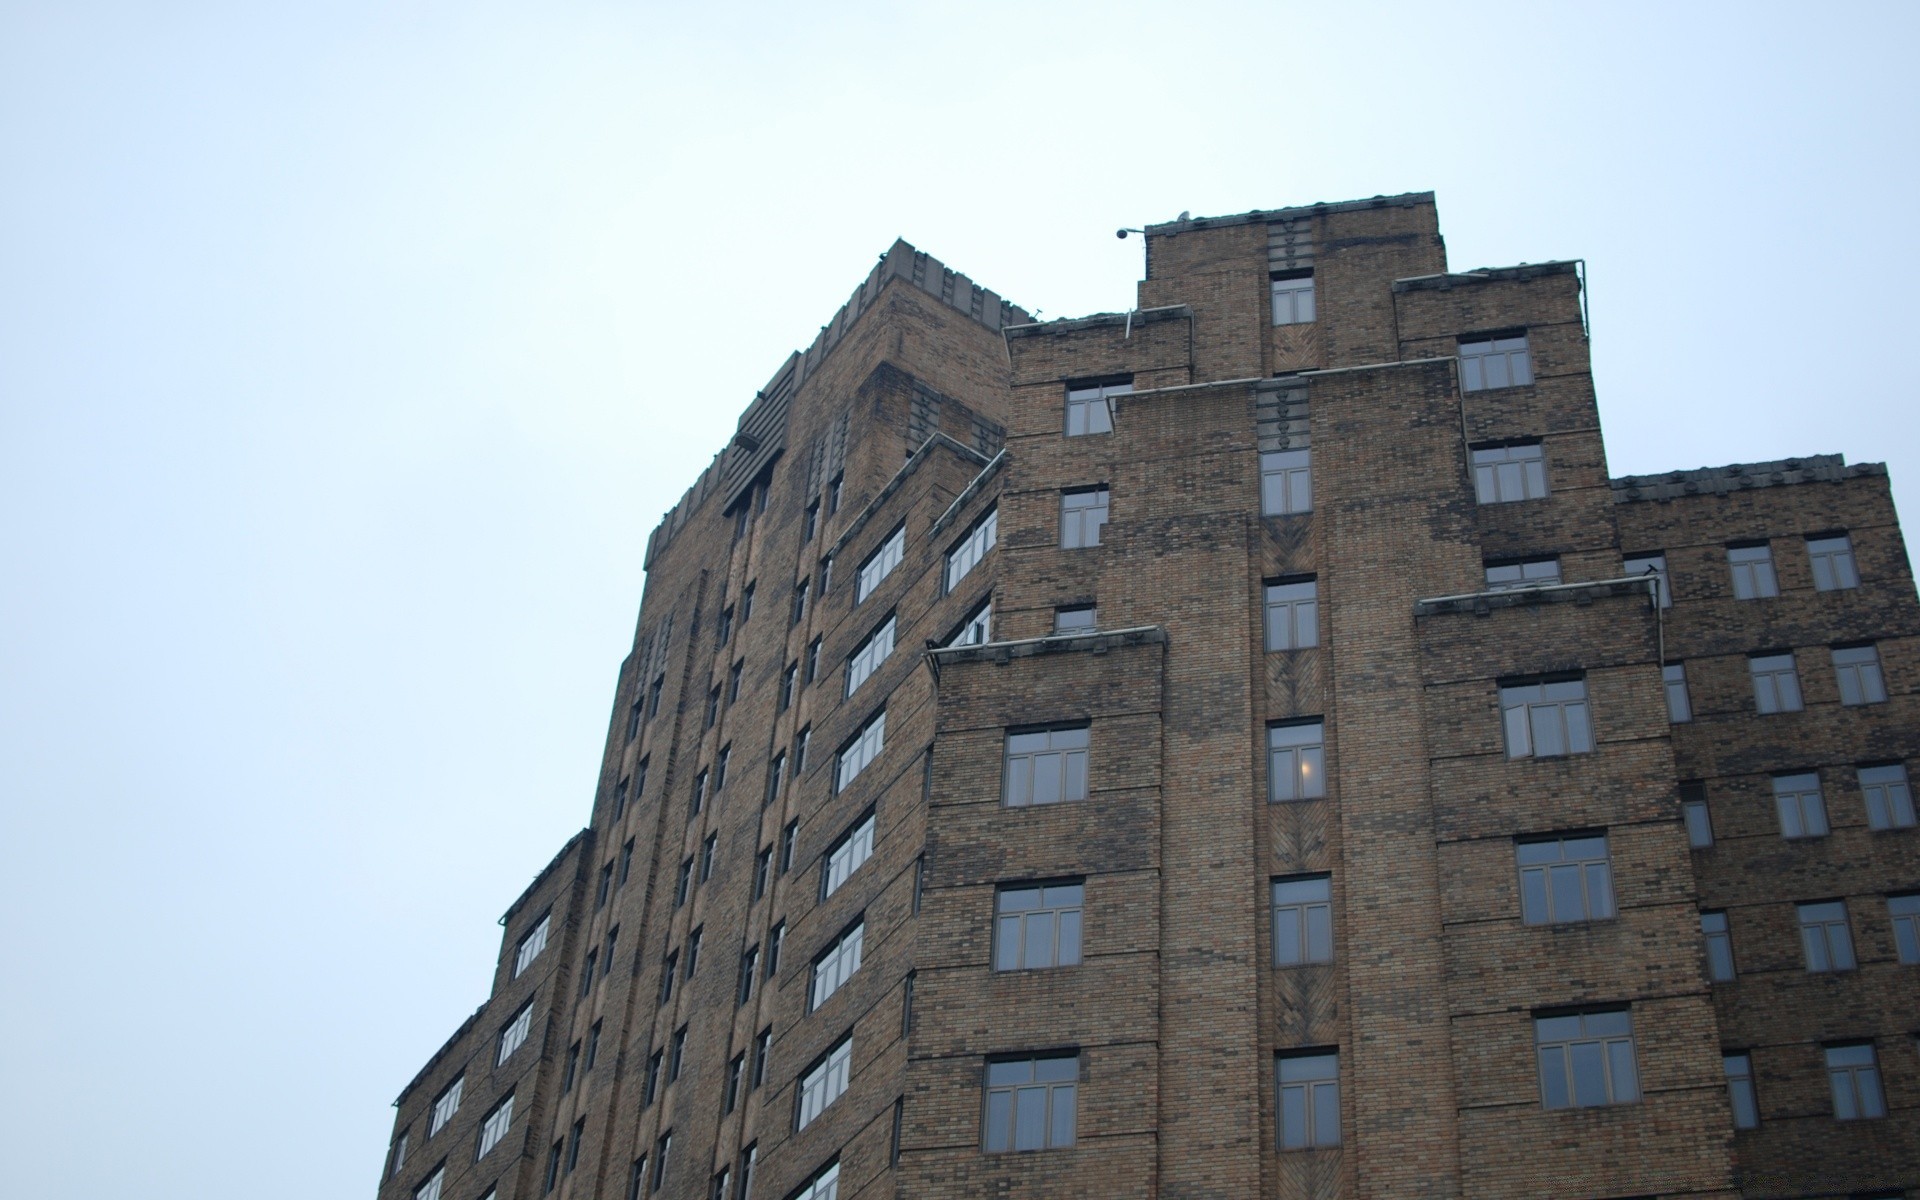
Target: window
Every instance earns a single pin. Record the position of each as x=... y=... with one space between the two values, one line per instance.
x=1673 y=678
x=800 y=743
x=1547 y=719
x=1858 y=670
x=1286 y=482
x=869 y=654
x=586 y=972
x=593 y=1046
x=1046 y=766
x=1855 y=1079
x=626 y=861
x=515 y=1032
x=640 y=777
x=1030 y=1103
x=1036 y=927
x=762 y=1049
x=668 y=971
x=721 y=1186
x=605 y=886
x=1693 y=810
x=733 y=681
x=531 y=944
x=746 y=602
x=1776 y=685
x=496 y=1124
x=826 y=1081
x=789 y=679
x=833 y=494
x=747 y=1159
x=1833 y=566
x=613 y=939
x=677 y=1054
x=655 y=1063
x=723 y=631
x=573 y=1144
x=1586 y=1059
x=683 y=887
x=826 y=574
x=1904 y=912
x=1293 y=614
x=965 y=556
x=1526 y=573
x=693 y=950
x=699 y=794
x=736 y=1074
x=1655 y=565
x=1079 y=618
x=445 y=1105
x=1740 y=1093
x=798 y=612
x=1292 y=297
x=720 y=764
x=1296 y=761
x=1752 y=568
x=1302 y=920
x=1494 y=361
x=844 y=858
x=862 y=750
x=572 y=1067
x=811 y=524
x=430 y=1190
x=1824 y=936
x=553 y=1165
x=660 y=1151
x=708 y=848
x=1565 y=879
x=619 y=799
x=1713 y=927
x=1082 y=513
x=824 y=1186
x=762 y=871
x=813 y=660
x=880 y=564
x=836 y=964
x=1309 y=1109
x=653 y=696
x=787 y=838
x=1088 y=408
x=776 y=775
x=399 y=1155
x=1803 y=814
x=1889 y=798
x=775 y=939
x=977 y=629
x=1504 y=474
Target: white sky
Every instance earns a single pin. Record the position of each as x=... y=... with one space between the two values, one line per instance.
x=348 y=353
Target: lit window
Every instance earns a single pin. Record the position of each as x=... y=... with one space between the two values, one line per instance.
x=854 y=847
x=1037 y=927
x=1854 y=1076
x=1655 y=565
x=1082 y=513
x=515 y=1032
x=972 y=548
x=1292 y=297
x=880 y=564
x=1858 y=670
x=1302 y=921
x=1889 y=798
x=1293 y=615
x=1586 y=1059
x=1495 y=362
x=445 y=1105
x=861 y=751
x=1564 y=880
x=1544 y=720
x=836 y=964
x=1296 y=761
x=1833 y=565
x=498 y=1121
x=1776 y=684
x=977 y=629
x=1088 y=407
x=1530 y=572
x=1046 y=766
x=1719 y=938
x=1752 y=568
x=1286 y=482
x=1740 y=1093
x=1904 y=912
x=531 y=944
x=1825 y=937
x=1078 y=619
x=1803 y=814
x=869 y=654
x=1031 y=1103
x=1309 y=1087
x=826 y=1082
x=1673 y=677
x=1504 y=474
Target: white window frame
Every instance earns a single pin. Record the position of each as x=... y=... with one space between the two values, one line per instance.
x=880 y=564
x=1292 y=614
x=966 y=555
x=854 y=848
x=496 y=1125
x=530 y=945
x=1888 y=795
x=836 y=964
x=1293 y=297
x=1554 y=713
x=1834 y=567
x=1752 y=570
x=869 y=654
x=826 y=1082
x=1083 y=513
x=859 y=753
x=446 y=1104
x=1857 y=670
x=1509 y=474
x=1046 y=766
x=1286 y=482
x=1495 y=361
x=514 y=1034
x=1089 y=407
x=1800 y=806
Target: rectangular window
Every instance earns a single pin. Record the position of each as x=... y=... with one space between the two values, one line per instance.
x=1082 y=513
x=1046 y=766
x=721 y=1188
x=813 y=660
x=699 y=800
x=800 y=742
x=836 y=964
x=1776 y=684
x=514 y=1032
x=826 y=1081
x=833 y=493
x=1586 y=1059
x=1656 y=566
x=1858 y=670
x=399 y=1155
x=762 y=871
x=604 y=888
x=775 y=939
x=683 y=886
x=619 y=799
x=445 y=1105
x=572 y=1067
x=531 y=944
x=713 y=708
x=869 y=654
x=810 y=524
x=1286 y=482
x=1825 y=937
x=966 y=555
x=1525 y=573
x=1889 y=798
x=1565 y=879
x=661 y=1149
x=977 y=629
x=637 y=1178
x=845 y=856
x=798 y=612
x=553 y=1165
x=776 y=775
x=824 y=1186
x=1296 y=761
x=1904 y=913
x=1081 y=618
x=736 y=1075
x=593 y=1047
x=656 y=1064
x=1505 y=474
x=826 y=574
x=430 y=1190
x=720 y=767
x=733 y=681
x=1740 y=1093
x=857 y=754
x=746 y=602
x=1293 y=614
x=1833 y=566
x=1547 y=719
x=1713 y=927
x=1088 y=408
x=1031 y=1103
x=1309 y=1108
x=1673 y=678
x=789 y=685
x=626 y=861
x=787 y=838
x=880 y=564
x=1752 y=567
x=1854 y=1076
x=586 y=972
x=1302 y=920
x=1698 y=818
x=748 y=1158
x=1494 y=361
x=749 y=971
x=669 y=971
x=573 y=1144
x=653 y=696
x=496 y=1124
x=708 y=850
x=1292 y=297
x=677 y=1054
x=723 y=629
x=693 y=950
x=1803 y=814
x=1037 y=927
x=613 y=938
x=762 y=1050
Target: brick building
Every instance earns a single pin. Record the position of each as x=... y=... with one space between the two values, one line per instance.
x=1247 y=746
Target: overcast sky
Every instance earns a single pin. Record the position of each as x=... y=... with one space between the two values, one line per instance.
x=349 y=352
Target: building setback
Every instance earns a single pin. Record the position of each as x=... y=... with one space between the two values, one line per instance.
x=1246 y=746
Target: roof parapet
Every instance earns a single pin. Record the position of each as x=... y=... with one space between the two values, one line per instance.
x=1453 y=279
x=1403 y=200
x=1735 y=477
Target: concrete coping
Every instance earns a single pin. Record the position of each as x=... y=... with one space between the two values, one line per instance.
x=1719 y=481
x=1095 y=641
x=967 y=493
x=1482 y=603
x=1452 y=279
x=885 y=494
x=1137 y=316
x=1261 y=215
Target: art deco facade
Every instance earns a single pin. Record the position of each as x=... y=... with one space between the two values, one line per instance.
x=1246 y=746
